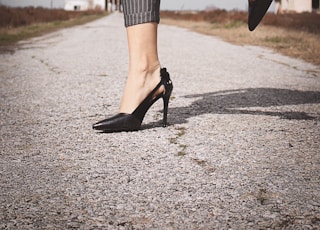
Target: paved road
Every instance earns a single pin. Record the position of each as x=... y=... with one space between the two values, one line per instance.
x=241 y=151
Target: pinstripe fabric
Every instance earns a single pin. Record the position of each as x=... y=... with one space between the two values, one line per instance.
x=140 y=11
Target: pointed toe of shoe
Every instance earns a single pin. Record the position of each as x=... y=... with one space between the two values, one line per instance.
x=118 y=123
x=257 y=10
x=97 y=126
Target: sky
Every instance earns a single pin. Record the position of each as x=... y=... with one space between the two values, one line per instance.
x=165 y=4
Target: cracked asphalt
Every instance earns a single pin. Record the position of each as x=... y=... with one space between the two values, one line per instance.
x=242 y=150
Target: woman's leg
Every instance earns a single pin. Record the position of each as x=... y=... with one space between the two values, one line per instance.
x=146 y=82
x=141 y=21
x=144 y=65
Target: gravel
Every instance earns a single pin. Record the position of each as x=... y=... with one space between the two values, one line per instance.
x=241 y=150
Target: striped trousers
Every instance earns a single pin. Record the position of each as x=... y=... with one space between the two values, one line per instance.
x=140 y=11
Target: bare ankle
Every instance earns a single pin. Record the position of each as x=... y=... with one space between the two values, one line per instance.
x=139 y=84
x=144 y=67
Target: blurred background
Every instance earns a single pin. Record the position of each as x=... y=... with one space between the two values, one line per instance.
x=291 y=27
x=241 y=5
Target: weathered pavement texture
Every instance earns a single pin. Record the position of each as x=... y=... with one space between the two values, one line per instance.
x=242 y=150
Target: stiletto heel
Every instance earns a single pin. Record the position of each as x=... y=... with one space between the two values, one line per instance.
x=165 y=112
x=166 y=99
x=132 y=122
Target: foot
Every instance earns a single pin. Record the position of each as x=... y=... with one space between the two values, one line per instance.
x=132 y=121
x=139 y=84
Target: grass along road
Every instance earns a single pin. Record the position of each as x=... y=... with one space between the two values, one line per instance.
x=292 y=35
x=19 y=24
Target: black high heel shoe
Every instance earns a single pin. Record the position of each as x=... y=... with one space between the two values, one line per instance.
x=257 y=10
x=132 y=122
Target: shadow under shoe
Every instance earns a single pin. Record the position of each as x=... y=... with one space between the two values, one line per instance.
x=132 y=122
x=257 y=10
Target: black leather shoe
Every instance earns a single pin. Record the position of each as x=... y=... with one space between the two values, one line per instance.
x=132 y=122
x=257 y=10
